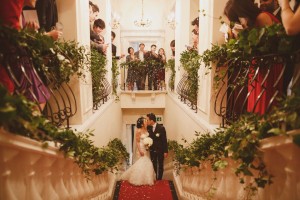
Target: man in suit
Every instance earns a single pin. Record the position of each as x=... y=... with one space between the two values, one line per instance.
x=114 y=48
x=96 y=39
x=159 y=148
x=140 y=54
x=271 y=6
x=152 y=60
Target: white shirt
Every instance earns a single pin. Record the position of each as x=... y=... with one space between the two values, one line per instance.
x=153 y=127
x=141 y=55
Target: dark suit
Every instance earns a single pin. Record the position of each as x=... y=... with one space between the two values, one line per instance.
x=152 y=62
x=47 y=14
x=142 y=75
x=158 y=148
x=114 y=52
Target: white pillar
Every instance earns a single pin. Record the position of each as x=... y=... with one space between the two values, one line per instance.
x=74 y=15
x=182 y=33
x=209 y=33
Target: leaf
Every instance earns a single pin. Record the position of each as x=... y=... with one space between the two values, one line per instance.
x=276 y=131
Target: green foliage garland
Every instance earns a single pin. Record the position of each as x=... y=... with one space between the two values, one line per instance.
x=115 y=73
x=251 y=43
x=98 y=71
x=190 y=61
x=17 y=116
x=56 y=62
x=240 y=141
x=171 y=66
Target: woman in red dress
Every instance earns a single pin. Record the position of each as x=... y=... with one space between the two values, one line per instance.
x=262 y=87
x=29 y=83
x=10 y=12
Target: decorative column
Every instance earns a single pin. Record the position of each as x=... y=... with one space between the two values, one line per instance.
x=74 y=15
x=6 y=161
x=209 y=33
x=182 y=34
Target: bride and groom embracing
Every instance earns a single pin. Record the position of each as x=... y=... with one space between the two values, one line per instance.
x=150 y=153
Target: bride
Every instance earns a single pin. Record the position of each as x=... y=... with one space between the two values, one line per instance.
x=141 y=172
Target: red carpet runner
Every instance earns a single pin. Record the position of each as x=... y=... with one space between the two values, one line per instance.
x=161 y=190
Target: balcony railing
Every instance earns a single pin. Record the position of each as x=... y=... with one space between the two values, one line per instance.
x=252 y=86
x=184 y=92
x=139 y=76
x=60 y=100
x=102 y=94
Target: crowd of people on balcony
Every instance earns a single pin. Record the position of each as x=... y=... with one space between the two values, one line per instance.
x=244 y=14
x=22 y=77
x=262 y=87
x=146 y=69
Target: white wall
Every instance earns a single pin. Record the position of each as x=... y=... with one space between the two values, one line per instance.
x=181 y=121
x=106 y=123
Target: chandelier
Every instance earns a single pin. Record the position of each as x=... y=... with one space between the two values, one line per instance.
x=142 y=22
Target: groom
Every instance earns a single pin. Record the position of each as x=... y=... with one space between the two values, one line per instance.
x=159 y=148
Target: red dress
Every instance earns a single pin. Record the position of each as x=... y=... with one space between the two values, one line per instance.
x=267 y=89
x=10 y=12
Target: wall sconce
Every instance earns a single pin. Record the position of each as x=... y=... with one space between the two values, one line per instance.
x=171 y=20
x=115 y=21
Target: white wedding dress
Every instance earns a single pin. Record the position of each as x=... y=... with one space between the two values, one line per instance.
x=141 y=172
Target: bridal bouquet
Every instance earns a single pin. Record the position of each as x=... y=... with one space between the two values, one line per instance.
x=148 y=142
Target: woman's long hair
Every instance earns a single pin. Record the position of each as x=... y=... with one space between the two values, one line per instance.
x=236 y=9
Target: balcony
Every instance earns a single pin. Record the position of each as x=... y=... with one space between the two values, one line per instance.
x=143 y=99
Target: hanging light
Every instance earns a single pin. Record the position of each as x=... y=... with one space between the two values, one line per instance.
x=142 y=22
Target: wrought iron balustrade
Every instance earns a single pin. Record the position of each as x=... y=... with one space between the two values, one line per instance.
x=185 y=93
x=104 y=92
x=61 y=105
x=252 y=85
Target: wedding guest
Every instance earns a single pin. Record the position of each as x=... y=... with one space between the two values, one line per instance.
x=48 y=17
x=271 y=6
x=195 y=23
x=114 y=48
x=94 y=12
x=195 y=38
x=96 y=39
x=172 y=45
x=29 y=83
x=290 y=20
x=161 y=69
x=140 y=54
x=152 y=67
x=131 y=78
x=249 y=16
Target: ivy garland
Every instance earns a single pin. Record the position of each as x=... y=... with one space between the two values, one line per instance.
x=98 y=71
x=240 y=141
x=16 y=116
x=137 y=68
x=171 y=66
x=251 y=43
x=115 y=73
x=190 y=61
x=55 y=61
